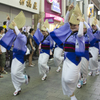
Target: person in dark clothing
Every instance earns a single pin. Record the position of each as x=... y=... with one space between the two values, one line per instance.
x=35 y=52
x=31 y=46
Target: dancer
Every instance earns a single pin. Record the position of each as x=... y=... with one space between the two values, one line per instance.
x=93 y=62
x=19 y=50
x=72 y=37
x=46 y=44
x=58 y=52
x=89 y=40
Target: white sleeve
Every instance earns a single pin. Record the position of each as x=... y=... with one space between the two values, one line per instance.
x=48 y=30
x=56 y=26
x=17 y=30
x=80 y=31
x=8 y=22
x=88 y=20
x=98 y=27
x=54 y=44
x=66 y=17
x=87 y=26
x=38 y=25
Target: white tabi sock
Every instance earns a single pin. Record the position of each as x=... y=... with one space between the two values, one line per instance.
x=73 y=98
x=59 y=68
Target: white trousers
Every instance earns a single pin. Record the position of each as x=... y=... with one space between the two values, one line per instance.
x=70 y=76
x=42 y=63
x=93 y=62
x=57 y=56
x=17 y=75
x=84 y=67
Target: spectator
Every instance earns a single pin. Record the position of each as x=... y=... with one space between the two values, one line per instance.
x=2 y=53
x=39 y=48
x=35 y=52
x=31 y=46
x=4 y=26
x=1 y=76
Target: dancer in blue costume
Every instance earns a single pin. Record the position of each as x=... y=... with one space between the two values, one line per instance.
x=46 y=41
x=58 y=51
x=93 y=62
x=74 y=47
x=89 y=40
x=15 y=37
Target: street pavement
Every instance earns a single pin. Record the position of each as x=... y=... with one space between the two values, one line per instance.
x=47 y=90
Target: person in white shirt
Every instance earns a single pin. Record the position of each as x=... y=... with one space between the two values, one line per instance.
x=2 y=53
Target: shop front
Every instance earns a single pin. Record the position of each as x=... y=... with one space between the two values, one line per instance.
x=53 y=9
x=13 y=7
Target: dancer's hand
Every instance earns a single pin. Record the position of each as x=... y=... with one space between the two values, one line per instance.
x=89 y=15
x=13 y=24
x=71 y=7
x=8 y=18
x=40 y=20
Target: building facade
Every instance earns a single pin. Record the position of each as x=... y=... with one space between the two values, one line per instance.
x=87 y=7
x=13 y=7
x=53 y=10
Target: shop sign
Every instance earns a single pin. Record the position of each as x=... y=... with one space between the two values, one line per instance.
x=57 y=18
x=91 y=10
x=28 y=4
x=50 y=19
x=51 y=1
x=22 y=2
x=55 y=5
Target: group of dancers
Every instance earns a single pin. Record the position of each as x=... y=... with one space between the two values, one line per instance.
x=75 y=37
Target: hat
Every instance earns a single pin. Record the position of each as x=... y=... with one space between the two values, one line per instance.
x=94 y=20
x=71 y=11
x=76 y=12
x=61 y=23
x=20 y=20
x=43 y=28
x=46 y=23
x=84 y=24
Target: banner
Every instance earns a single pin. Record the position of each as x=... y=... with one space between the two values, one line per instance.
x=50 y=19
x=57 y=18
x=91 y=10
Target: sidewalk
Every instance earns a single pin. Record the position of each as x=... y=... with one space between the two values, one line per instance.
x=47 y=90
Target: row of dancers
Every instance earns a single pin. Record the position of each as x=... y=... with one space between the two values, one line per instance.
x=77 y=38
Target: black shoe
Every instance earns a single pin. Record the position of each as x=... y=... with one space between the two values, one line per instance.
x=28 y=78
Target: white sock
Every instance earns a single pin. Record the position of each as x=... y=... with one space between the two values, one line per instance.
x=73 y=98
x=59 y=67
x=45 y=75
x=84 y=79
